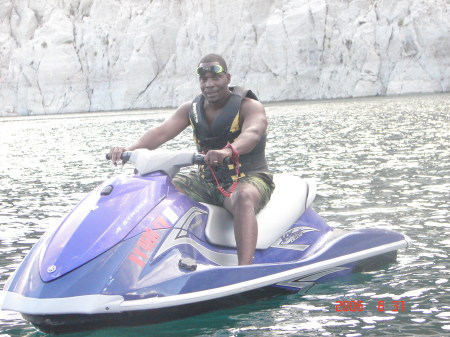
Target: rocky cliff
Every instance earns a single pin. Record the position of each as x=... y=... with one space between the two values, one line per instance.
x=61 y=56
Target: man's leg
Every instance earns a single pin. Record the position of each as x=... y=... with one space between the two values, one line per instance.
x=243 y=205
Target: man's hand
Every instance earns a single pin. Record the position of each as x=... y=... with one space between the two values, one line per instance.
x=115 y=154
x=216 y=157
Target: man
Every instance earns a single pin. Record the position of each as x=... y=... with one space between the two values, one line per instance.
x=226 y=123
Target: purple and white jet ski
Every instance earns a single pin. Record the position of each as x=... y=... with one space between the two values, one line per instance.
x=137 y=251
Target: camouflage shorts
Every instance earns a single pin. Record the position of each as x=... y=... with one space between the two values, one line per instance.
x=201 y=190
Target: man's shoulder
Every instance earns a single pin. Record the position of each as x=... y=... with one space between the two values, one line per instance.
x=186 y=105
x=250 y=103
x=252 y=110
x=184 y=108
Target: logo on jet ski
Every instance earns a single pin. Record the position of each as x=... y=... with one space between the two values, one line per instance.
x=133 y=214
x=51 y=269
x=127 y=220
x=146 y=242
x=292 y=235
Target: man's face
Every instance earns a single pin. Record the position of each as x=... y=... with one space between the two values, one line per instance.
x=214 y=86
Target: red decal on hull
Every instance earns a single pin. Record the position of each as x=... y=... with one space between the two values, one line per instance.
x=147 y=241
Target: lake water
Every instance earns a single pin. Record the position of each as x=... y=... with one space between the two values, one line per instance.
x=379 y=162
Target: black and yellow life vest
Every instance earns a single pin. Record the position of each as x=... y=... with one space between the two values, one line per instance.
x=225 y=129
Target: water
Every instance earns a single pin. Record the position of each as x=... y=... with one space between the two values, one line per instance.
x=379 y=162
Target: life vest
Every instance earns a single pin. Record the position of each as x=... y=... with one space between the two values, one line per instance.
x=225 y=129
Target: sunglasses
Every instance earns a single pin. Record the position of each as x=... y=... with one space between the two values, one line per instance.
x=215 y=69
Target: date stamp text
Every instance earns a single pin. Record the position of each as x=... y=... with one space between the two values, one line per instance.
x=395 y=306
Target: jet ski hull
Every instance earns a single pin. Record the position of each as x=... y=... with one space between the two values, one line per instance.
x=137 y=251
x=70 y=304
x=57 y=324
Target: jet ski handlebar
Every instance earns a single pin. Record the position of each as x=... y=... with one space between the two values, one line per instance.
x=146 y=161
x=125 y=156
x=198 y=159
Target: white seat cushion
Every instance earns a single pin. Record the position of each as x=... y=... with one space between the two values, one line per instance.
x=291 y=197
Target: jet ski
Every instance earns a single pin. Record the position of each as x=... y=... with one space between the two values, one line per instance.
x=137 y=251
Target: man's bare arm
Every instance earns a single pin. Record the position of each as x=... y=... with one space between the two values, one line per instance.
x=165 y=131
x=159 y=134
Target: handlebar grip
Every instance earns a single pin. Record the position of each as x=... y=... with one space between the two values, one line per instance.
x=125 y=156
x=199 y=159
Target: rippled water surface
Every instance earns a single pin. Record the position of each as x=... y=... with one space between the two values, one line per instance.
x=379 y=162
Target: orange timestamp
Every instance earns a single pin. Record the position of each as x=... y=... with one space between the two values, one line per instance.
x=396 y=306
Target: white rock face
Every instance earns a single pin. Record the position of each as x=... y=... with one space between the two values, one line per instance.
x=60 y=56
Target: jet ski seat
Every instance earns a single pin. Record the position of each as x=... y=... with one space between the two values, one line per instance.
x=291 y=197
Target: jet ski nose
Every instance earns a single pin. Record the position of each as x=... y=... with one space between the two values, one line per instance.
x=409 y=241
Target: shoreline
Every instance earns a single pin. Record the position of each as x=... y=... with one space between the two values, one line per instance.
x=165 y=110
